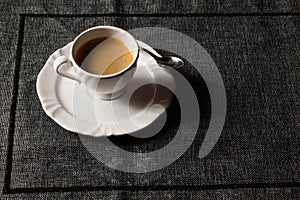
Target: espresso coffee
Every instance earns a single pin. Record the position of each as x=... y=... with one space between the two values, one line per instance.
x=103 y=56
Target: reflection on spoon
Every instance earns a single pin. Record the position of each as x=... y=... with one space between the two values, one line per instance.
x=170 y=61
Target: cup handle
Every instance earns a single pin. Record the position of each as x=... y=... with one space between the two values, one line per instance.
x=63 y=61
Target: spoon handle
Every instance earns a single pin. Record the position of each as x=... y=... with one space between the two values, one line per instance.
x=170 y=61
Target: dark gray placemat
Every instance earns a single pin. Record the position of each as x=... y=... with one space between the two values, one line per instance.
x=277 y=114
x=46 y=156
x=274 y=193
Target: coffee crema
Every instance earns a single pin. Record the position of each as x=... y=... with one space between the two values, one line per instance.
x=103 y=56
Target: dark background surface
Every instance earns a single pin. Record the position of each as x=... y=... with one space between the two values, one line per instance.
x=255 y=46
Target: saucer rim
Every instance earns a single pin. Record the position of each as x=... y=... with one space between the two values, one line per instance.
x=62 y=116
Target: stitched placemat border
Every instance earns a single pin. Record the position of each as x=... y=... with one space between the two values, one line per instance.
x=10 y=140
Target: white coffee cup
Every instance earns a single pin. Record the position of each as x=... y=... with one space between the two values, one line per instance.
x=107 y=87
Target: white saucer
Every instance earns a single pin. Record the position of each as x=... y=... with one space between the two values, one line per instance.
x=75 y=109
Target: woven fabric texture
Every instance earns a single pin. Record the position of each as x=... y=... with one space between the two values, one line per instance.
x=257 y=55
